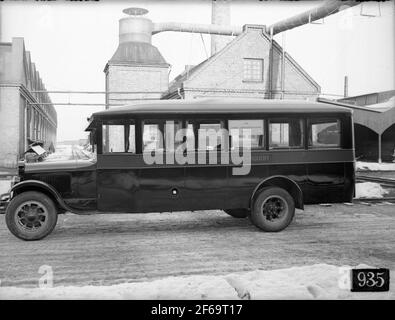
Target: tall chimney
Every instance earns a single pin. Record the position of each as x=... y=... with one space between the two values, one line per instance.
x=345 y=86
x=220 y=15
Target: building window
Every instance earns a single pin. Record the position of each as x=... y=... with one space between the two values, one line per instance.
x=253 y=70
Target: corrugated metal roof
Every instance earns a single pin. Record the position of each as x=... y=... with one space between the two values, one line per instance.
x=139 y=53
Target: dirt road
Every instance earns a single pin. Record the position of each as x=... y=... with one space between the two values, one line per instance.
x=110 y=249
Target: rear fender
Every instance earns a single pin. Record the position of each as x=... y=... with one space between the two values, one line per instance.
x=282 y=182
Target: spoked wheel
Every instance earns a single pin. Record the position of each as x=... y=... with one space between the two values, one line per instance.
x=273 y=209
x=31 y=216
x=237 y=213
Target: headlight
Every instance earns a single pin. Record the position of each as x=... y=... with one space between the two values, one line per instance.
x=15 y=180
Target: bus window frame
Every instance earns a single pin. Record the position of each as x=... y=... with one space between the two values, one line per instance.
x=99 y=135
x=265 y=135
x=325 y=118
x=162 y=121
x=185 y=118
x=211 y=120
x=278 y=117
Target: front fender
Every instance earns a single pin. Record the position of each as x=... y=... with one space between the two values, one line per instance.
x=40 y=186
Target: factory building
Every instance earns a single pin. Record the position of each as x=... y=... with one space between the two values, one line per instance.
x=24 y=120
x=250 y=65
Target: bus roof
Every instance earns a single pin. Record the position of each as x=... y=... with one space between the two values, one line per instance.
x=218 y=106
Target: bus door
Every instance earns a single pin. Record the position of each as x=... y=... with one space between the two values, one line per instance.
x=206 y=179
x=326 y=168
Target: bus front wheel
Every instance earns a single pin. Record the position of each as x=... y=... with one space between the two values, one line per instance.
x=31 y=215
x=273 y=209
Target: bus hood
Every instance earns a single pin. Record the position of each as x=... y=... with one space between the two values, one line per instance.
x=58 y=165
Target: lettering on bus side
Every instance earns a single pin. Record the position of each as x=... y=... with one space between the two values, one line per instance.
x=261 y=158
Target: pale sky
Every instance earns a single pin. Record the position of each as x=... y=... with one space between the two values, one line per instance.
x=70 y=43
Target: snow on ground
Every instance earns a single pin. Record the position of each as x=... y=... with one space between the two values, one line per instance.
x=375 y=166
x=369 y=190
x=319 y=281
x=5 y=185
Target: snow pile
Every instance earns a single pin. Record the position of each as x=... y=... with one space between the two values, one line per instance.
x=320 y=281
x=191 y=287
x=369 y=190
x=375 y=166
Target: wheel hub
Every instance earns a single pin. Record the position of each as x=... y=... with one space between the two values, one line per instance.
x=31 y=215
x=274 y=208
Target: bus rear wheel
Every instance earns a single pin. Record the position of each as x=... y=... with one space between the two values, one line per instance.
x=31 y=216
x=237 y=213
x=272 y=210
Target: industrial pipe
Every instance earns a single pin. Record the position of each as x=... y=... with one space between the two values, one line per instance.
x=326 y=9
x=146 y=27
x=197 y=28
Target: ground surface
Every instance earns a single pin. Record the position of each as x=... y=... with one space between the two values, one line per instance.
x=111 y=249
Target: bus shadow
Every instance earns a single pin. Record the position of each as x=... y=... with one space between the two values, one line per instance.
x=219 y=223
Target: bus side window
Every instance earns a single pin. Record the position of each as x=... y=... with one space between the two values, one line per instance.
x=119 y=138
x=210 y=134
x=160 y=135
x=173 y=138
x=324 y=133
x=246 y=132
x=286 y=133
x=152 y=136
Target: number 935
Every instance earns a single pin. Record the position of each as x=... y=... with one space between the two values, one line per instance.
x=370 y=279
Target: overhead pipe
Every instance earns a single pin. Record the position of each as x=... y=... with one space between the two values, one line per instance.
x=146 y=27
x=326 y=9
x=197 y=28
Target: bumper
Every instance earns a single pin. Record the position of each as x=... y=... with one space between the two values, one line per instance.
x=4 y=200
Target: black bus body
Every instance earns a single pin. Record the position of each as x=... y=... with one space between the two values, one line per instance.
x=302 y=154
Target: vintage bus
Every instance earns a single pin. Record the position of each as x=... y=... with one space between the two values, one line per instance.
x=293 y=153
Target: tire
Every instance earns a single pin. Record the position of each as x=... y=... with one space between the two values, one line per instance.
x=275 y=219
x=237 y=213
x=31 y=216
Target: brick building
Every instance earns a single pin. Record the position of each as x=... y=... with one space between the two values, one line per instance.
x=137 y=68
x=249 y=66
x=23 y=119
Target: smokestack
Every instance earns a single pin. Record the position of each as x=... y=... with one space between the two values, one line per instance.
x=345 y=86
x=220 y=15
